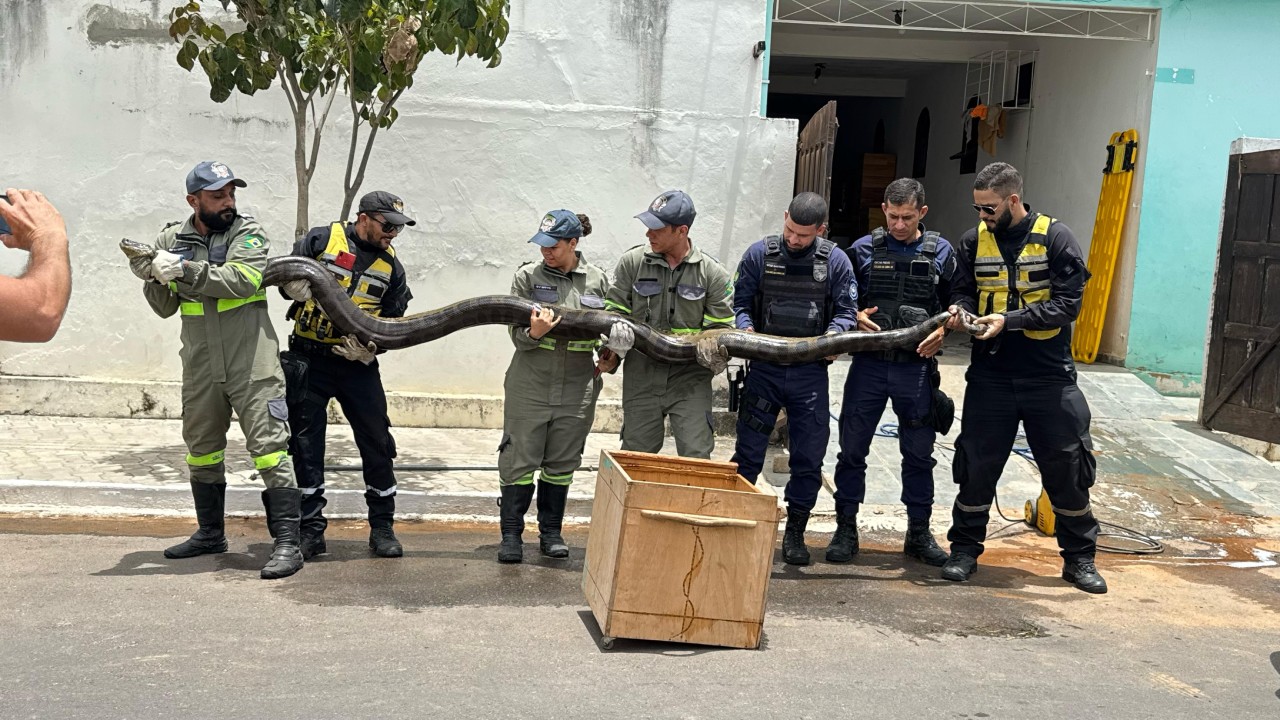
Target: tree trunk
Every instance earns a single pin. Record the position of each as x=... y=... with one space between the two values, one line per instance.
x=302 y=222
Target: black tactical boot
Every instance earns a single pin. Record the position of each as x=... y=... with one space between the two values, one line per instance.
x=793 y=550
x=284 y=513
x=1082 y=573
x=921 y=545
x=959 y=567
x=844 y=543
x=383 y=543
x=514 y=503
x=551 y=502
x=210 y=501
x=313 y=544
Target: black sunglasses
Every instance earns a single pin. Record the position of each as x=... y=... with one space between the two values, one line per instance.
x=988 y=209
x=389 y=228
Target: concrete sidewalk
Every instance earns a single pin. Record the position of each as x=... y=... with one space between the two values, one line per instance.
x=1159 y=472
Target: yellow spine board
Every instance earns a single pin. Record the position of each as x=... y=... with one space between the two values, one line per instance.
x=1104 y=249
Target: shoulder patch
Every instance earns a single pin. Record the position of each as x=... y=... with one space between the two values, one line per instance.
x=252 y=242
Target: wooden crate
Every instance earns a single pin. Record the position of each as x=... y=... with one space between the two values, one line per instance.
x=679 y=550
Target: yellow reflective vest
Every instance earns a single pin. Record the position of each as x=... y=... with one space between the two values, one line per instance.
x=1000 y=290
x=366 y=288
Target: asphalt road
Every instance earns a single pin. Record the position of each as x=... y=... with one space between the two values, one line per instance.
x=96 y=623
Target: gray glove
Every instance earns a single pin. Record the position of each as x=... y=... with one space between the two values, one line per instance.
x=351 y=349
x=710 y=355
x=620 y=339
x=141 y=266
x=298 y=290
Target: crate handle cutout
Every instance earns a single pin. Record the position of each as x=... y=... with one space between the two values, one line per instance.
x=699 y=520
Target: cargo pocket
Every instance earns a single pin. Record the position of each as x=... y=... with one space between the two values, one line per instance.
x=1088 y=463
x=594 y=302
x=391 y=441
x=506 y=442
x=691 y=292
x=960 y=465
x=279 y=409
x=546 y=294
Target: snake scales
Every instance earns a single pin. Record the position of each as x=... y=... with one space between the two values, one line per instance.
x=424 y=327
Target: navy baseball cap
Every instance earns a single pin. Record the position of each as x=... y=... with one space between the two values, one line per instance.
x=673 y=207
x=390 y=207
x=210 y=175
x=557 y=225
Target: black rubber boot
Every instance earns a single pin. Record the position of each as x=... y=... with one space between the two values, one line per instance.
x=959 y=567
x=921 y=545
x=514 y=503
x=210 y=501
x=284 y=513
x=1082 y=573
x=844 y=543
x=551 y=502
x=383 y=543
x=313 y=544
x=794 y=551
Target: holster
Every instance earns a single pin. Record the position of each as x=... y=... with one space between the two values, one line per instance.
x=737 y=375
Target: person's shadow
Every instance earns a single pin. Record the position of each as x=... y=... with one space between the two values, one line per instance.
x=153 y=562
x=1275 y=663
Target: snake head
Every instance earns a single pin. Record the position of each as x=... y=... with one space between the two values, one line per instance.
x=134 y=249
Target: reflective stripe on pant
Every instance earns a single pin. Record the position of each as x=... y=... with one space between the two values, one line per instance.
x=358 y=389
x=1056 y=418
x=870 y=384
x=260 y=406
x=549 y=438
x=653 y=392
x=802 y=391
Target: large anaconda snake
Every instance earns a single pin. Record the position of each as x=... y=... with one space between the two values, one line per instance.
x=424 y=327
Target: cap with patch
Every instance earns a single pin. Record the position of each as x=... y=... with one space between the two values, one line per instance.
x=390 y=207
x=673 y=207
x=557 y=225
x=210 y=175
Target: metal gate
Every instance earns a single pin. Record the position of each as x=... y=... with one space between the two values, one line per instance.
x=816 y=151
x=1242 y=374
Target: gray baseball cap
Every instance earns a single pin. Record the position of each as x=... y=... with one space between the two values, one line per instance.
x=389 y=206
x=557 y=225
x=210 y=175
x=673 y=207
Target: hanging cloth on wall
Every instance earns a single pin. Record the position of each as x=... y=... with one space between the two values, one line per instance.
x=991 y=127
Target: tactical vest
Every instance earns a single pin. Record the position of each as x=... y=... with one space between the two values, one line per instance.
x=794 y=299
x=903 y=286
x=365 y=288
x=1000 y=290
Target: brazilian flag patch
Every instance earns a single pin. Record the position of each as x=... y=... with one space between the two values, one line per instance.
x=252 y=242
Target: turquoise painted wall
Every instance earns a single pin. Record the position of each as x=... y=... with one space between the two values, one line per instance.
x=1230 y=44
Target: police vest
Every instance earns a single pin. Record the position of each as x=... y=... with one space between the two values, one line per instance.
x=365 y=288
x=1000 y=290
x=903 y=286
x=794 y=299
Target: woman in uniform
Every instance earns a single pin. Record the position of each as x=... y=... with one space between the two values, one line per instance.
x=551 y=387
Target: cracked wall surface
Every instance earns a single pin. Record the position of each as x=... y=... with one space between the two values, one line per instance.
x=596 y=107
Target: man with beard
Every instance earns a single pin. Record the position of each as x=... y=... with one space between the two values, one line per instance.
x=322 y=364
x=1024 y=274
x=209 y=270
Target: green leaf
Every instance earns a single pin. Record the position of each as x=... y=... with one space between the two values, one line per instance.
x=218 y=94
x=217 y=33
x=179 y=27
x=496 y=60
x=469 y=16
x=193 y=6
x=185 y=60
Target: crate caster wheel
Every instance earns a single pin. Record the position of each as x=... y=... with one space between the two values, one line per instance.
x=606 y=643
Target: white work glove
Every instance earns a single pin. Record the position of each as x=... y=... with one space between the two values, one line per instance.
x=620 y=339
x=351 y=349
x=141 y=267
x=298 y=290
x=166 y=266
x=710 y=355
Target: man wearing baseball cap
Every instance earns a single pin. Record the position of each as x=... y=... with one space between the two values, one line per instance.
x=674 y=287
x=322 y=364
x=209 y=270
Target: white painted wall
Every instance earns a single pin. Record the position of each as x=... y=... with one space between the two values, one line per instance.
x=587 y=111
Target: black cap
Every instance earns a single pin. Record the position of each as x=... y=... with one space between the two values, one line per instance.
x=673 y=207
x=210 y=175
x=390 y=207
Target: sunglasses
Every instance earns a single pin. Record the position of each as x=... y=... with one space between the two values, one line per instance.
x=988 y=209
x=387 y=227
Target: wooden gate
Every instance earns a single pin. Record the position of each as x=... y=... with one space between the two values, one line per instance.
x=1242 y=376
x=816 y=151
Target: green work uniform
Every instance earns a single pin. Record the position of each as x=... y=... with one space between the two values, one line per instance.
x=693 y=296
x=230 y=355
x=551 y=385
